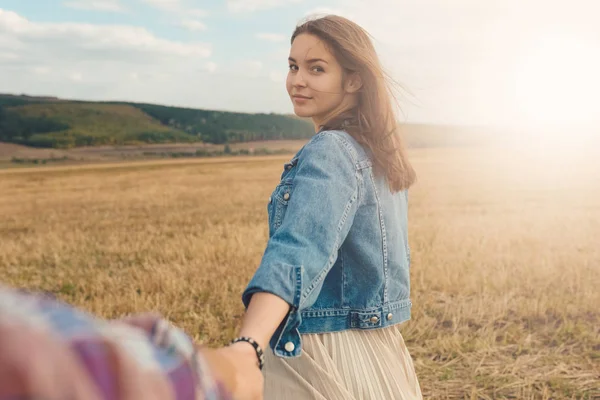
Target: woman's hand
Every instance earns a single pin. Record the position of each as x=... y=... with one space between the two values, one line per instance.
x=237 y=367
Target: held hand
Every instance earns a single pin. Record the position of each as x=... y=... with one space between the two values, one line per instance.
x=237 y=367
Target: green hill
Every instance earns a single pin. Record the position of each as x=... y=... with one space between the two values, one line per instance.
x=227 y=127
x=51 y=122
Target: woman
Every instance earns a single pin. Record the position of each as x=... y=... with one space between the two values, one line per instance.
x=333 y=284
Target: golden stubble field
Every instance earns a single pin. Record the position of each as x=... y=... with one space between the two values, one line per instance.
x=505 y=274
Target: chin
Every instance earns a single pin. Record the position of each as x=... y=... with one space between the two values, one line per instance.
x=302 y=112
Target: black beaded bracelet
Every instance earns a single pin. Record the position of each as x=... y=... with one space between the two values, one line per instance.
x=259 y=353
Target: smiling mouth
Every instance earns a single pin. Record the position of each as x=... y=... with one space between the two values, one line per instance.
x=301 y=97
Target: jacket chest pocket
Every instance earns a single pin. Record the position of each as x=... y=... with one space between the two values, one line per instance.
x=277 y=207
x=289 y=170
x=280 y=197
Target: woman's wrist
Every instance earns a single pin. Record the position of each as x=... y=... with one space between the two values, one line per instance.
x=255 y=334
x=249 y=347
x=244 y=349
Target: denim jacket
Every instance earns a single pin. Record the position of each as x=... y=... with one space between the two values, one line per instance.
x=338 y=245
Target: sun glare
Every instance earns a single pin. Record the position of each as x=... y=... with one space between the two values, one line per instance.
x=556 y=100
x=558 y=83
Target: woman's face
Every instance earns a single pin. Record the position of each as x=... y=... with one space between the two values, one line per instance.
x=315 y=80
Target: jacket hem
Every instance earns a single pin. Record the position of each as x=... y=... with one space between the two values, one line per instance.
x=335 y=320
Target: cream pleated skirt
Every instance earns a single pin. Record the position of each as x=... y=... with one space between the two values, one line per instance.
x=347 y=365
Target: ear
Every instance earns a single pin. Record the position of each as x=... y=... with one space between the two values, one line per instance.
x=353 y=83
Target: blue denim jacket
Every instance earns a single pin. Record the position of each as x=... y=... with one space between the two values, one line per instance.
x=338 y=245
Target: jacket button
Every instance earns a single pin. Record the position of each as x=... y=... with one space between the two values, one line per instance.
x=289 y=347
x=286 y=196
x=390 y=316
x=270 y=200
x=288 y=167
x=374 y=319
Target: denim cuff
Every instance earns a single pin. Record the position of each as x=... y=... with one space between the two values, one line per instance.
x=286 y=341
x=284 y=281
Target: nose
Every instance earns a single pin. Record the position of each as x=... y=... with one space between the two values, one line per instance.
x=298 y=79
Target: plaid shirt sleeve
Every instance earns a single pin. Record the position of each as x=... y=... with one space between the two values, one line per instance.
x=50 y=350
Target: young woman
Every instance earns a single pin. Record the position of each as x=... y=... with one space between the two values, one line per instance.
x=333 y=284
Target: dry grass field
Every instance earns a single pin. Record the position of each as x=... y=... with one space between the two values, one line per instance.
x=505 y=274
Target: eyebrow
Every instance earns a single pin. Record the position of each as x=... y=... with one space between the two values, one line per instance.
x=312 y=60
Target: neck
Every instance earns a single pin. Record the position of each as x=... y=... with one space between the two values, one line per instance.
x=317 y=125
x=349 y=103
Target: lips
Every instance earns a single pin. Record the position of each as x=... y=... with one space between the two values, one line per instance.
x=299 y=96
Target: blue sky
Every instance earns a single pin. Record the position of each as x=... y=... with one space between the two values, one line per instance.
x=461 y=61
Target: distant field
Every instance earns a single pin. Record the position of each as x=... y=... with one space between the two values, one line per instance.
x=10 y=153
x=416 y=136
x=505 y=273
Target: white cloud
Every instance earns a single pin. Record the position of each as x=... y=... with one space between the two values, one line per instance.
x=187 y=16
x=76 y=77
x=41 y=70
x=250 y=68
x=271 y=37
x=197 y=13
x=210 y=67
x=193 y=25
x=277 y=76
x=96 y=5
x=5 y=55
x=253 y=5
x=177 y=7
x=167 y=5
x=320 y=11
x=77 y=40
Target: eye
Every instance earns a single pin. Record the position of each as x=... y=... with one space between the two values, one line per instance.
x=317 y=68
x=293 y=67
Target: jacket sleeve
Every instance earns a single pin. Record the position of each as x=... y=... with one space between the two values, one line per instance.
x=322 y=205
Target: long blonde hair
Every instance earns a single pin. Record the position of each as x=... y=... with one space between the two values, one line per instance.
x=373 y=121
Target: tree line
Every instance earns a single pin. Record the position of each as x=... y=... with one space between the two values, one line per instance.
x=228 y=127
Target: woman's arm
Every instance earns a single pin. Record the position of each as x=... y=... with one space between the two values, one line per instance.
x=264 y=315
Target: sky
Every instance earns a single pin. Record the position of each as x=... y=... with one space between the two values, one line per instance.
x=458 y=61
